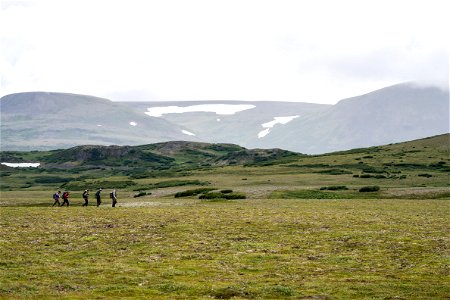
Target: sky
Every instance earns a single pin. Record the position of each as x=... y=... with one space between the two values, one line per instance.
x=317 y=51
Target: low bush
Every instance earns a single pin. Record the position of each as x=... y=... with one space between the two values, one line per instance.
x=308 y=194
x=365 y=176
x=373 y=188
x=193 y=192
x=226 y=191
x=334 y=172
x=334 y=188
x=425 y=175
x=371 y=169
x=219 y=195
x=172 y=183
x=212 y=195
x=234 y=196
x=140 y=194
x=51 y=179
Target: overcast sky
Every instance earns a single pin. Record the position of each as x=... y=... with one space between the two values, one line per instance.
x=309 y=51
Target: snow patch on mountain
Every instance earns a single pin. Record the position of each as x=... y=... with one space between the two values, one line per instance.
x=271 y=124
x=187 y=132
x=219 y=109
x=21 y=165
x=133 y=123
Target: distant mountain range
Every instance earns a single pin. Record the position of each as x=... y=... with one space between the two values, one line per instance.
x=43 y=121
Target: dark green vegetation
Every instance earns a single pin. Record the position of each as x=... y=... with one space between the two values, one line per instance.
x=303 y=232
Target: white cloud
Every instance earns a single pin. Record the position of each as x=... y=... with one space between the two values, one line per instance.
x=315 y=51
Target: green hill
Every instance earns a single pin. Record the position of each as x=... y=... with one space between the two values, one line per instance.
x=260 y=172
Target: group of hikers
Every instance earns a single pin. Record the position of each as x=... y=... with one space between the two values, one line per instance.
x=65 y=197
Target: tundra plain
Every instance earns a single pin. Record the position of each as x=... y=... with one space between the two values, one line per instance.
x=303 y=231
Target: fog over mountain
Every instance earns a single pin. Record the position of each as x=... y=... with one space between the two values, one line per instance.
x=397 y=113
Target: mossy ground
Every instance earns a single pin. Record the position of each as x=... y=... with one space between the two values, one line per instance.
x=340 y=249
x=288 y=239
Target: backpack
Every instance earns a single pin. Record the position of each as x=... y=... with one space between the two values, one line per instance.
x=55 y=196
x=111 y=195
x=65 y=195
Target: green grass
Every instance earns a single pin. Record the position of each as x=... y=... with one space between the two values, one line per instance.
x=304 y=230
x=339 y=249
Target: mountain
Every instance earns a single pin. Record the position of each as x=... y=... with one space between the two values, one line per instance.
x=240 y=128
x=39 y=120
x=394 y=114
x=408 y=111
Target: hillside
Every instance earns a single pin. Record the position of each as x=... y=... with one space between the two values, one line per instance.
x=394 y=114
x=240 y=128
x=32 y=121
x=159 y=156
x=397 y=113
x=43 y=121
x=257 y=172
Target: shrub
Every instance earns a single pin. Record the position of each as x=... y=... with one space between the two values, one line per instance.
x=172 y=183
x=51 y=179
x=371 y=169
x=193 y=192
x=365 y=176
x=212 y=195
x=234 y=196
x=219 y=195
x=140 y=194
x=334 y=172
x=307 y=194
x=373 y=188
x=226 y=191
x=425 y=175
x=334 y=188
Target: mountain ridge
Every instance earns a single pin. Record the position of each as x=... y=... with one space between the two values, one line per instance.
x=43 y=120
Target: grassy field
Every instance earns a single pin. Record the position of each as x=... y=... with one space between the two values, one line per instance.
x=295 y=236
x=321 y=249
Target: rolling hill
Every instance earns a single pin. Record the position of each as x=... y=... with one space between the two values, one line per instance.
x=38 y=120
x=394 y=114
x=43 y=121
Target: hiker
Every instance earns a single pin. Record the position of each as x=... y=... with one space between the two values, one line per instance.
x=56 y=197
x=86 y=197
x=113 y=196
x=99 y=197
x=65 y=197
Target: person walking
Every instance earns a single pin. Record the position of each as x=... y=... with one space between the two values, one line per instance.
x=86 y=197
x=99 y=197
x=56 y=197
x=113 y=196
x=65 y=197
